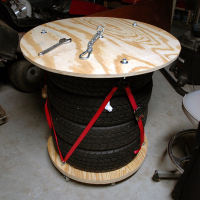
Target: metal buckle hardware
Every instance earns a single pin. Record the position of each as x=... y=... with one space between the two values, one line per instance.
x=138 y=113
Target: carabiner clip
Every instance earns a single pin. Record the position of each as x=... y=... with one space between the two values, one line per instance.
x=81 y=56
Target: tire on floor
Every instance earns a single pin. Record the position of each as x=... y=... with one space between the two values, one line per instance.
x=25 y=76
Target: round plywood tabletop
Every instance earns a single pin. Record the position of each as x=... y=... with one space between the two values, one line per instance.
x=147 y=48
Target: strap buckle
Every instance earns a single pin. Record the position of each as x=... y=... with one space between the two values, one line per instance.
x=138 y=113
x=122 y=83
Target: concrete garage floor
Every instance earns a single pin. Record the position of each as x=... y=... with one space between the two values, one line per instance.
x=26 y=171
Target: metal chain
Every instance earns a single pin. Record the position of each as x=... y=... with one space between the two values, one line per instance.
x=89 y=50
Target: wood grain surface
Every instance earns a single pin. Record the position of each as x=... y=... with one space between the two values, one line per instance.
x=146 y=47
x=97 y=178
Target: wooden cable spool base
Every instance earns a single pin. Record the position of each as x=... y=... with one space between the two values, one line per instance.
x=97 y=178
x=146 y=48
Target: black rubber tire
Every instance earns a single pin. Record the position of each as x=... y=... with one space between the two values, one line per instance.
x=99 y=161
x=98 y=138
x=97 y=87
x=81 y=109
x=18 y=76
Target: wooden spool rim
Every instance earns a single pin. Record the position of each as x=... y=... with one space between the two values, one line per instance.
x=97 y=178
x=146 y=47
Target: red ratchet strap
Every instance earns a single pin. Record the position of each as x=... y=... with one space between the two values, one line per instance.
x=50 y=123
x=88 y=127
x=93 y=120
x=48 y=116
x=140 y=124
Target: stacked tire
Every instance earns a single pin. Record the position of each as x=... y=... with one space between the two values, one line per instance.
x=111 y=142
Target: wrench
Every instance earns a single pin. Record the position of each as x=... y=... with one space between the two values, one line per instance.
x=61 y=41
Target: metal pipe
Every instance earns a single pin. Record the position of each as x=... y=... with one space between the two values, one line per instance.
x=173 y=83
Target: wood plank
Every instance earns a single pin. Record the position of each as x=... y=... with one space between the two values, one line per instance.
x=97 y=178
x=183 y=9
x=147 y=48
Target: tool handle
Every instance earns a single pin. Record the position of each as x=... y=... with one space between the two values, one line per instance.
x=61 y=41
x=49 y=49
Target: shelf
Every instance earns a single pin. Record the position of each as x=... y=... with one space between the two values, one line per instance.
x=181 y=23
x=183 y=9
x=188 y=15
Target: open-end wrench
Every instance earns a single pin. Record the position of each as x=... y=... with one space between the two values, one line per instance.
x=61 y=41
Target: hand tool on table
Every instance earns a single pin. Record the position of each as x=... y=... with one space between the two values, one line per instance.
x=61 y=41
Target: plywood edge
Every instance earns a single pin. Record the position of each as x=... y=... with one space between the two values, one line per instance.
x=102 y=75
x=97 y=178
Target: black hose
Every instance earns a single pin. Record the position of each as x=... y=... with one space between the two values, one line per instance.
x=173 y=83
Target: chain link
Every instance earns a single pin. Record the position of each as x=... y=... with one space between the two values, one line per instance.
x=89 y=50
